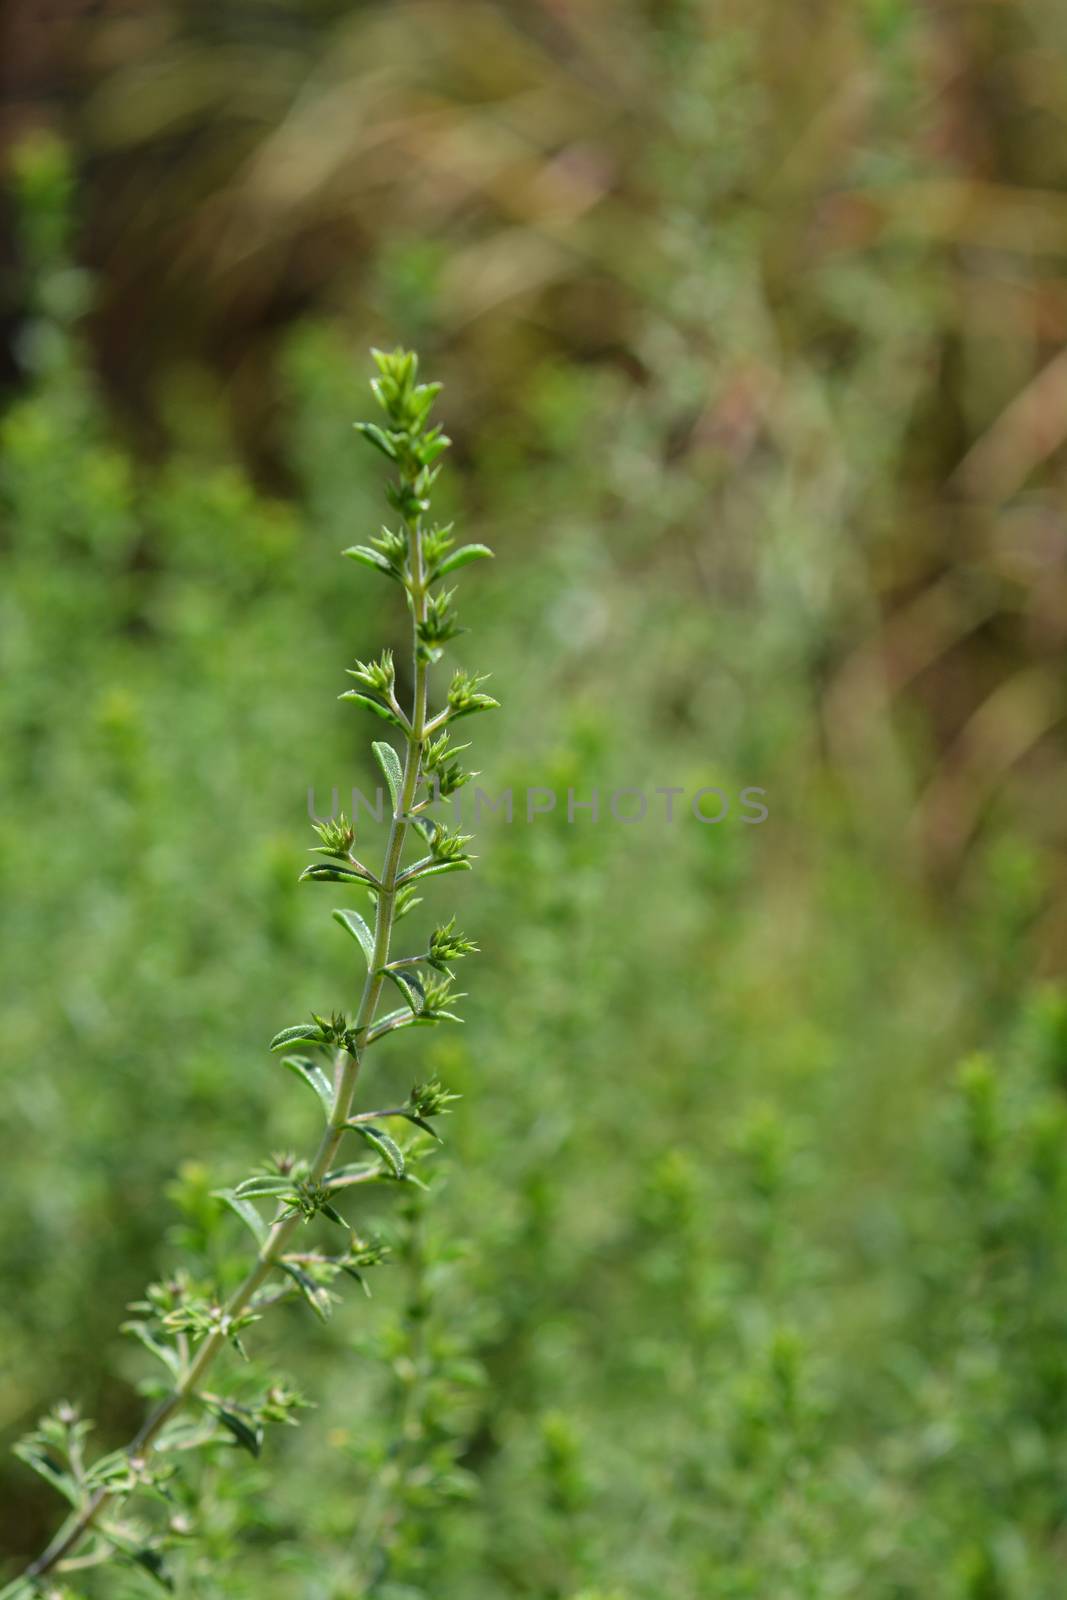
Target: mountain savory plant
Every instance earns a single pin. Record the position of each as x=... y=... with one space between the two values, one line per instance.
x=185 y=1323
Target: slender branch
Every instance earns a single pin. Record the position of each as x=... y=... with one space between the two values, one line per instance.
x=380 y=1512
x=346 y=1074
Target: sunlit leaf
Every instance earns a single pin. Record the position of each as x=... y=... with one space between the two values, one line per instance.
x=462 y=558
x=315 y=1295
x=410 y=986
x=299 y=1033
x=379 y=438
x=313 y=1076
x=265 y=1185
x=393 y=772
x=156 y=1347
x=354 y=924
x=386 y=713
x=334 y=872
x=371 y=558
x=385 y=1146
x=48 y=1467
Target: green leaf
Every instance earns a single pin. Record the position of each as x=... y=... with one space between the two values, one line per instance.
x=379 y=438
x=371 y=558
x=354 y=924
x=410 y=987
x=421 y=1122
x=478 y=702
x=428 y=869
x=386 y=1024
x=333 y=872
x=431 y=445
x=462 y=558
x=395 y=1020
x=47 y=1467
x=299 y=1033
x=315 y=1295
x=247 y=1213
x=406 y=900
x=351 y=1172
x=162 y=1352
x=385 y=1146
x=152 y=1562
x=263 y=1184
x=364 y=700
x=247 y=1437
x=313 y=1076
x=148 y=1557
x=389 y=762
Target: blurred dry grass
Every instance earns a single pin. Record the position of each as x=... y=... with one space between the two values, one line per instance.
x=854 y=215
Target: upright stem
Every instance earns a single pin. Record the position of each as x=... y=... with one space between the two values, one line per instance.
x=346 y=1076
x=378 y=1513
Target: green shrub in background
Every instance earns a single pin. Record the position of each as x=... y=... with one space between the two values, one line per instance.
x=756 y=1298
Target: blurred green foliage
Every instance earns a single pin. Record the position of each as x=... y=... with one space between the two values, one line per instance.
x=739 y=1287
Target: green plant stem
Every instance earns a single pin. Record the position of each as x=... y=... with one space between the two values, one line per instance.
x=380 y=1510
x=346 y=1076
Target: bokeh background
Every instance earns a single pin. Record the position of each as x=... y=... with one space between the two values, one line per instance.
x=749 y=1239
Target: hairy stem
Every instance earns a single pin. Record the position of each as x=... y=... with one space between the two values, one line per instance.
x=345 y=1079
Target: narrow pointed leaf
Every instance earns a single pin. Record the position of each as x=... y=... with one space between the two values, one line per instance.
x=387 y=1024
x=334 y=872
x=151 y=1561
x=410 y=986
x=364 y=700
x=247 y=1437
x=313 y=1076
x=263 y=1185
x=431 y=446
x=430 y=868
x=315 y=1295
x=407 y=1019
x=299 y=1033
x=371 y=558
x=378 y=437
x=352 y=1172
x=247 y=1213
x=389 y=762
x=147 y=1557
x=386 y=1146
x=354 y=924
x=462 y=557
x=421 y=1122
x=480 y=702
x=162 y=1352
x=48 y=1468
